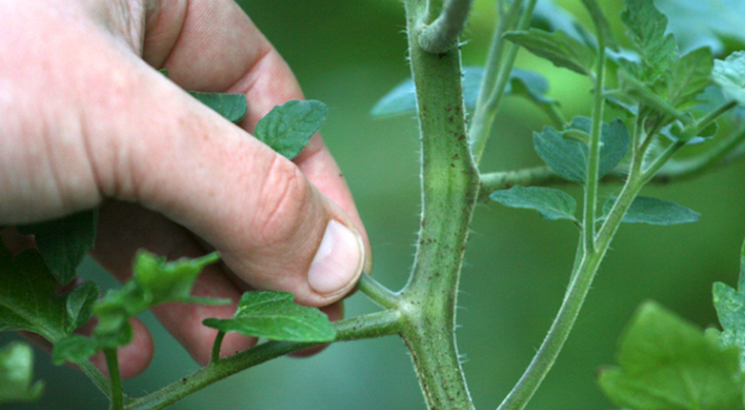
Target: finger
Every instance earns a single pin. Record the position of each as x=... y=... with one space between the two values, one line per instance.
x=120 y=235
x=219 y=49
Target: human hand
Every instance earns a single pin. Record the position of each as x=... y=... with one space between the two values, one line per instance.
x=89 y=121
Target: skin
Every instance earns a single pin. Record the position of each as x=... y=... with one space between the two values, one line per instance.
x=89 y=121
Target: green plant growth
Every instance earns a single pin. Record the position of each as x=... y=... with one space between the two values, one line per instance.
x=649 y=103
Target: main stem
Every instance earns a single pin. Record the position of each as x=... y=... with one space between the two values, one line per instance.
x=450 y=184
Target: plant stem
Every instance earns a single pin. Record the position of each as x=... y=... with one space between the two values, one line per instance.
x=216 y=345
x=377 y=292
x=363 y=327
x=442 y=35
x=486 y=112
x=98 y=379
x=117 y=397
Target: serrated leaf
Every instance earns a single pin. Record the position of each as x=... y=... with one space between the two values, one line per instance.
x=688 y=77
x=730 y=307
x=64 y=242
x=273 y=315
x=666 y=363
x=654 y=211
x=232 y=107
x=154 y=281
x=646 y=29
x=549 y=202
x=74 y=348
x=557 y=47
x=17 y=374
x=568 y=157
x=28 y=298
x=730 y=75
x=710 y=23
x=288 y=127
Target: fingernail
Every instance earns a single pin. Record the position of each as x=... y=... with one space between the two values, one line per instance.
x=338 y=261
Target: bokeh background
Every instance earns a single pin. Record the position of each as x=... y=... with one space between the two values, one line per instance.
x=348 y=54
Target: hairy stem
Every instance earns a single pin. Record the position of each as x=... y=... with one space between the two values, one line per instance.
x=442 y=35
x=363 y=327
x=117 y=396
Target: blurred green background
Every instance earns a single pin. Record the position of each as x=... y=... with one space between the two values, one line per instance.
x=348 y=54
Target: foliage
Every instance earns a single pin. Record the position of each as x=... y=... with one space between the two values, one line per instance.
x=16 y=374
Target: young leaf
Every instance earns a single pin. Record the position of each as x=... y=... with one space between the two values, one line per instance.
x=689 y=76
x=288 y=128
x=730 y=306
x=74 y=348
x=274 y=315
x=64 y=242
x=17 y=373
x=79 y=304
x=654 y=211
x=557 y=47
x=646 y=28
x=568 y=157
x=28 y=300
x=666 y=363
x=549 y=202
x=730 y=75
x=231 y=106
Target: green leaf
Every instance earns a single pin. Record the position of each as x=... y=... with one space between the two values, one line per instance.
x=155 y=281
x=688 y=77
x=74 y=348
x=646 y=29
x=666 y=363
x=530 y=85
x=79 y=304
x=730 y=75
x=568 y=157
x=28 y=298
x=730 y=306
x=64 y=242
x=557 y=47
x=710 y=23
x=598 y=17
x=549 y=202
x=288 y=128
x=548 y=16
x=274 y=315
x=231 y=106
x=17 y=374
x=654 y=211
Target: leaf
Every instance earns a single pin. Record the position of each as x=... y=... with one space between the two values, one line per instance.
x=64 y=242
x=568 y=157
x=666 y=363
x=689 y=76
x=710 y=23
x=730 y=75
x=530 y=85
x=155 y=281
x=601 y=23
x=557 y=47
x=548 y=16
x=730 y=306
x=274 y=315
x=79 y=304
x=28 y=298
x=646 y=29
x=551 y=203
x=654 y=211
x=288 y=128
x=17 y=373
x=231 y=106
x=74 y=348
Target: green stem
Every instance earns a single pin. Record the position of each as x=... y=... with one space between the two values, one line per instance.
x=442 y=35
x=710 y=117
x=485 y=114
x=98 y=379
x=591 y=183
x=363 y=327
x=216 y=345
x=377 y=292
x=117 y=396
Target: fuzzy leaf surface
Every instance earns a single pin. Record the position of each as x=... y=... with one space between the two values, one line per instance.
x=730 y=75
x=730 y=306
x=568 y=157
x=557 y=47
x=288 y=127
x=551 y=203
x=29 y=301
x=232 y=107
x=64 y=242
x=689 y=77
x=17 y=374
x=666 y=363
x=274 y=315
x=646 y=29
x=654 y=211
